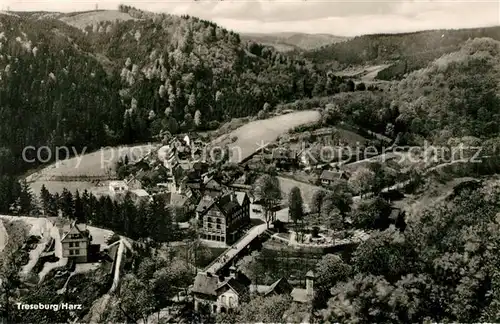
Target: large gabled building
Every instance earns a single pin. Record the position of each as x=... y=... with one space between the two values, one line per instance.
x=223 y=217
x=76 y=242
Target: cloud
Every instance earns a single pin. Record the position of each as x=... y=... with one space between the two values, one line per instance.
x=310 y=16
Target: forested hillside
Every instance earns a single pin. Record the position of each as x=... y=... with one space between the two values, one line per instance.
x=294 y=41
x=408 y=51
x=52 y=91
x=456 y=95
x=124 y=81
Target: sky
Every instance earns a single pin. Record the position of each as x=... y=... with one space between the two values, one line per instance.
x=342 y=18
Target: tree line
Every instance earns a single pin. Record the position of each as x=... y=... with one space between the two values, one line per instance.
x=144 y=220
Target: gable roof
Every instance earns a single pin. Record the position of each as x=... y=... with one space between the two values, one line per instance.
x=212 y=184
x=235 y=285
x=204 y=284
x=140 y=192
x=226 y=203
x=211 y=284
x=331 y=175
x=118 y=183
x=81 y=228
x=240 y=197
x=282 y=153
x=280 y=282
x=175 y=199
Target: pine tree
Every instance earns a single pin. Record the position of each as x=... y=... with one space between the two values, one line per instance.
x=49 y=204
x=296 y=205
x=67 y=204
x=78 y=213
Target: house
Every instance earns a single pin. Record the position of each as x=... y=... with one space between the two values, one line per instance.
x=303 y=296
x=141 y=195
x=210 y=186
x=397 y=218
x=223 y=217
x=76 y=242
x=329 y=177
x=284 y=158
x=279 y=287
x=218 y=294
x=133 y=183
x=118 y=187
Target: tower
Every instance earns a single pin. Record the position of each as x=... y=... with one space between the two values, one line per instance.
x=310 y=283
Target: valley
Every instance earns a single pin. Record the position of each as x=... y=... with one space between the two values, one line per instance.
x=162 y=168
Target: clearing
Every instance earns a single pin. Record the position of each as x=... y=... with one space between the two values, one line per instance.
x=256 y=134
x=89 y=171
x=84 y=19
x=364 y=73
x=307 y=190
x=4 y=236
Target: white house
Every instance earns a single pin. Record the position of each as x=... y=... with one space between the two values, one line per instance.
x=118 y=187
x=219 y=294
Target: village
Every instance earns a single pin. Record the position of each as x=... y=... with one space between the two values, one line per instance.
x=223 y=204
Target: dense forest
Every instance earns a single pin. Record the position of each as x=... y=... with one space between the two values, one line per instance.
x=406 y=52
x=124 y=81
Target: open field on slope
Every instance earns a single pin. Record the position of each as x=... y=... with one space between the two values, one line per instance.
x=84 y=19
x=307 y=190
x=251 y=136
x=366 y=73
x=78 y=173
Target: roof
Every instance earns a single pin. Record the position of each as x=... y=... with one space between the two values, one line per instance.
x=212 y=184
x=240 y=197
x=210 y=284
x=204 y=284
x=310 y=274
x=395 y=212
x=140 y=192
x=227 y=203
x=82 y=229
x=300 y=295
x=173 y=198
x=275 y=284
x=204 y=204
x=118 y=183
x=331 y=175
x=238 y=287
x=283 y=154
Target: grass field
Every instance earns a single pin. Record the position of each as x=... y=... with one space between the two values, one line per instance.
x=84 y=19
x=307 y=190
x=251 y=136
x=78 y=172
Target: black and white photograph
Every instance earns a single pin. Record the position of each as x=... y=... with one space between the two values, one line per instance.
x=249 y=161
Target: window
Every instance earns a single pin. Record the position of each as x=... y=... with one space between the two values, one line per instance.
x=209 y=225
x=218 y=221
x=231 y=301
x=218 y=226
x=71 y=252
x=223 y=299
x=70 y=244
x=77 y=244
x=77 y=252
